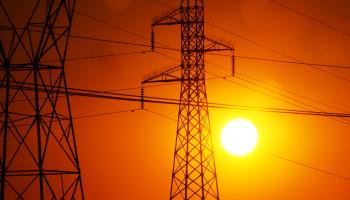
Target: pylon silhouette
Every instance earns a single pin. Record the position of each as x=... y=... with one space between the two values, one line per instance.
x=194 y=173
x=39 y=158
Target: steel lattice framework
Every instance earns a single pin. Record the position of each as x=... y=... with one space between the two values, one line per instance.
x=39 y=158
x=194 y=172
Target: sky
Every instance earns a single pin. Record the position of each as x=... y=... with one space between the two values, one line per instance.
x=129 y=155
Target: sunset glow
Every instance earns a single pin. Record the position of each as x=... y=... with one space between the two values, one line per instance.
x=175 y=99
x=239 y=137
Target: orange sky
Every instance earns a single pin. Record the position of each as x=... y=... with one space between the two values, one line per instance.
x=129 y=155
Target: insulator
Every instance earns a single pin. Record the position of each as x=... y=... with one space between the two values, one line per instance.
x=233 y=64
x=152 y=40
x=142 y=98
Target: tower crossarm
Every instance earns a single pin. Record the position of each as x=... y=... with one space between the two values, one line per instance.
x=215 y=45
x=172 y=18
x=168 y=75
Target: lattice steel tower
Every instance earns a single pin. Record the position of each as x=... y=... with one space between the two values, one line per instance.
x=39 y=158
x=194 y=173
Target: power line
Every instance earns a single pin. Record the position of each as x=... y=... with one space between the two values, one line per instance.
x=266 y=47
x=127 y=89
x=122 y=29
x=236 y=56
x=275 y=155
x=307 y=166
x=250 y=88
x=283 y=61
x=110 y=24
x=157 y=52
x=344 y=121
x=288 y=102
x=90 y=116
x=275 y=92
x=224 y=77
x=161 y=115
x=163 y=4
x=85 y=37
x=264 y=93
x=99 y=56
x=310 y=18
x=278 y=93
x=293 y=93
x=277 y=52
x=304 y=97
x=255 y=90
x=167 y=56
x=106 y=55
x=106 y=113
x=277 y=98
x=170 y=101
x=215 y=26
x=296 y=162
x=303 y=105
x=140 y=87
x=243 y=57
x=216 y=54
x=276 y=87
x=118 y=42
x=327 y=10
x=261 y=92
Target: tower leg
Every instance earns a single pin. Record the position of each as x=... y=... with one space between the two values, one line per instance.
x=39 y=158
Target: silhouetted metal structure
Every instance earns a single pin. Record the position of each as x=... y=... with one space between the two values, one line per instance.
x=194 y=173
x=39 y=158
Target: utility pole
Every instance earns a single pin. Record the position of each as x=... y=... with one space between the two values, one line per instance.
x=194 y=173
x=38 y=154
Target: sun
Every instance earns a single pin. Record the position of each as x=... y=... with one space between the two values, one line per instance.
x=239 y=137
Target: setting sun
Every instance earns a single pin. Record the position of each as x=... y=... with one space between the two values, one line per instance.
x=239 y=137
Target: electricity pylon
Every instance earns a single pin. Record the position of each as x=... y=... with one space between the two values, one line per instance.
x=194 y=172
x=39 y=158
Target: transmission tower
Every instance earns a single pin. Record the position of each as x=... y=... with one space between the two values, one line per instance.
x=194 y=173
x=39 y=158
